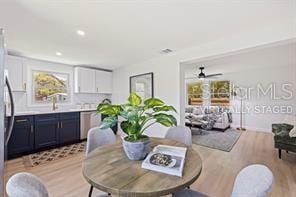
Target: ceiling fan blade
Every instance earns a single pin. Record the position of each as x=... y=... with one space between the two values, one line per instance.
x=214 y=75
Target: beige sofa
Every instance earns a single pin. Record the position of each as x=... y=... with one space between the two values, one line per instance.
x=198 y=115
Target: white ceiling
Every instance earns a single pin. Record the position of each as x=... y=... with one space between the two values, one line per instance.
x=282 y=55
x=120 y=33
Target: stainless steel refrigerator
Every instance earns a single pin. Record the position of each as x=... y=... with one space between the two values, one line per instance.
x=6 y=124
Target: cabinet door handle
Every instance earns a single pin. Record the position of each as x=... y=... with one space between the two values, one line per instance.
x=61 y=124
x=58 y=125
x=22 y=120
x=32 y=129
x=25 y=86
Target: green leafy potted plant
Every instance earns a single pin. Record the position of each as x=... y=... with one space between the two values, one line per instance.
x=137 y=117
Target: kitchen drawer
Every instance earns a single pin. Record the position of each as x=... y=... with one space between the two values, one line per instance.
x=23 y=120
x=70 y=115
x=46 y=118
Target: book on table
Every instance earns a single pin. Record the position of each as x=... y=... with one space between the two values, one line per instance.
x=166 y=159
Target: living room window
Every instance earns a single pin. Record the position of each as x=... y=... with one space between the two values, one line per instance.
x=47 y=85
x=220 y=93
x=195 y=93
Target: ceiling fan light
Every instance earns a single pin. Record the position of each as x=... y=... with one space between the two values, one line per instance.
x=201 y=75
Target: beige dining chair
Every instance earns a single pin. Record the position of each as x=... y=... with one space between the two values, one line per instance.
x=24 y=184
x=181 y=134
x=97 y=137
x=252 y=181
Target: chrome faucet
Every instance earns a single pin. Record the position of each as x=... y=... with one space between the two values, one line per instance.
x=54 y=103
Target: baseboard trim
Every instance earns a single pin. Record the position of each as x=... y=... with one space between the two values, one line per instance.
x=250 y=128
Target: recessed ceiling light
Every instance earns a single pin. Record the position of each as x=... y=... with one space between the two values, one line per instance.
x=59 y=54
x=80 y=33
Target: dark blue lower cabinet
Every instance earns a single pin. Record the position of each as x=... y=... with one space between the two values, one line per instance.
x=46 y=130
x=40 y=132
x=22 y=136
x=69 y=128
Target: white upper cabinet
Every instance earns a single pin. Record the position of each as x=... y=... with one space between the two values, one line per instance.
x=16 y=72
x=92 y=81
x=103 y=82
x=85 y=80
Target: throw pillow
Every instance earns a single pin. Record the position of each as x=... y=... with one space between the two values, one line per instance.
x=291 y=119
x=197 y=111
x=292 y=133
x=188 y=109
x=188 y=115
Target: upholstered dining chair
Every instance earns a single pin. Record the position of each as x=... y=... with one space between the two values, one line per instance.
x=97 y=137
x=25 y=185
x=181 y=134
x=252 y=181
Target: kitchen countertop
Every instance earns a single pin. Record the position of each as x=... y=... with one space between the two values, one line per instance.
x=27 y=113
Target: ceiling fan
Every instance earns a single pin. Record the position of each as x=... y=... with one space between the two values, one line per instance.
x=202 y=75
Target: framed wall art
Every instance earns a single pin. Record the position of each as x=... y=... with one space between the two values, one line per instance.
x=142 y=85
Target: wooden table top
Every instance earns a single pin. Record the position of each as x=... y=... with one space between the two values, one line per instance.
x=108 y=169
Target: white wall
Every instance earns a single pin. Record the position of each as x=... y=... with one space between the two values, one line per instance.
x=24 y=100
x=167 y=68
x=258 y=68
x=255 y=117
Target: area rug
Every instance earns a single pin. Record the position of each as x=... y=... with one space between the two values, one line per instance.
x=47 y=156
x=216 y=139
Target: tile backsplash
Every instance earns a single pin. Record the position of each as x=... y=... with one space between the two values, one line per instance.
x=21 y=102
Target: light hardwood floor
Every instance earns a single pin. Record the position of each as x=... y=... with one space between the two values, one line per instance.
x=64 y=178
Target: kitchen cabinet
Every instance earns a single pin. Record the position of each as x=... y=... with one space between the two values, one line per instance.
x=46 y=130
x=85 y=80
x=103 y=82
x=33 y=133
x=92 y=81
x=22 y=136
x=17 y=73
x=56 y=129
x=69 y=128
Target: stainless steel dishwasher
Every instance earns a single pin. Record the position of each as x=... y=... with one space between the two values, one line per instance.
x=88 y=120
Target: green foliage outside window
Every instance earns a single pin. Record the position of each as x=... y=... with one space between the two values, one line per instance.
x=220 y=89
x=220 y=92
x=48 y=84
x=195 y=93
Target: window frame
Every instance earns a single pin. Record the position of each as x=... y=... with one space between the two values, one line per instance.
x=46 y=103
x=220 y=101
x=200 y=100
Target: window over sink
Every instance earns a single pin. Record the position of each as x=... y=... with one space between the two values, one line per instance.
x=47 y=85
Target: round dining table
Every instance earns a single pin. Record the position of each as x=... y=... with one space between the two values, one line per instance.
x=108 y=169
